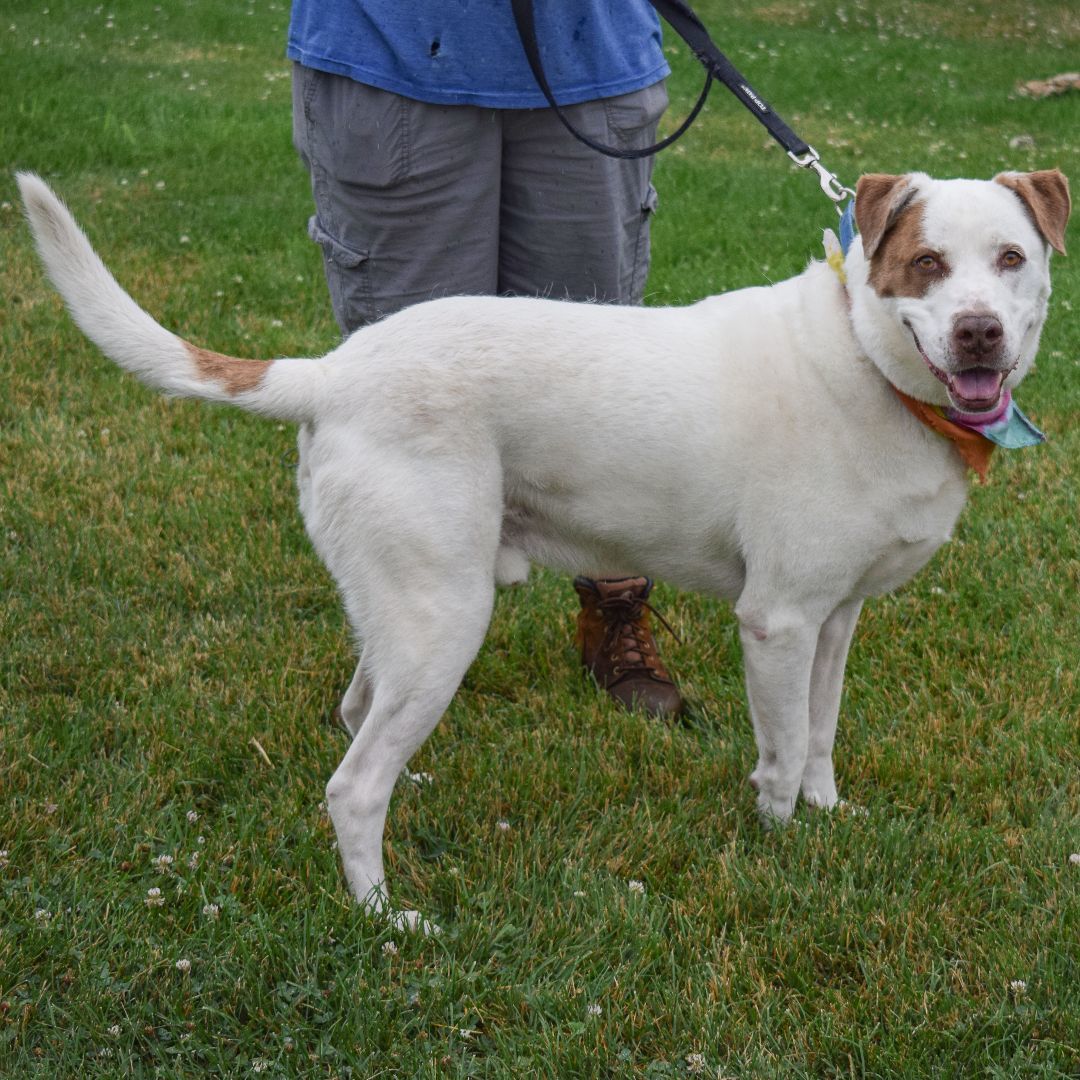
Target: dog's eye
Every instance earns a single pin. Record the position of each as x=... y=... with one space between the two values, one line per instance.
x=927 y=263
x=1011 y=259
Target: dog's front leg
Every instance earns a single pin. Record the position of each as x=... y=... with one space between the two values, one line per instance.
x=826 y=686
x=778 y=654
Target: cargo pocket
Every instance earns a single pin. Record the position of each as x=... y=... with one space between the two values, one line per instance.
x=649 y=206
x=347 y=277
x=633 y=118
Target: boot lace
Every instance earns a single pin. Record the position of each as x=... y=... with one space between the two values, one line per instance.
x=623 y=616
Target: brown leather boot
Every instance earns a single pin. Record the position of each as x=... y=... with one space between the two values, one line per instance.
x=617 y=646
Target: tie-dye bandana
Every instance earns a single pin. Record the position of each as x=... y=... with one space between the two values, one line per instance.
x=1006 y=426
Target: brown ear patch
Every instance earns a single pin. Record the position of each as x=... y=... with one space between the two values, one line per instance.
x=893 y=270
x=1046 y=196
x=879 y=201
x=235 y=375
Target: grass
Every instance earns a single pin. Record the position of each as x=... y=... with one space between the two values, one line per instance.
x=173 y=649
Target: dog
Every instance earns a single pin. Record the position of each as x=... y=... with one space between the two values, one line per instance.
x=752 y=446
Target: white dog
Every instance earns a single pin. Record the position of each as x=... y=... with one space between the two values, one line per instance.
x=751 y=446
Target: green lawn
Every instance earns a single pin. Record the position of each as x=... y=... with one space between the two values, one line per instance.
x=172 y=649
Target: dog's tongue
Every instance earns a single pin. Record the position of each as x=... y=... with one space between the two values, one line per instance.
x=977 y=386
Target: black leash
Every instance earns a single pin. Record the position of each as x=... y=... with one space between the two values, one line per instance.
x=685 y=22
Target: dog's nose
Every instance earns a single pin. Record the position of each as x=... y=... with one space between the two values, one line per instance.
x=978 y=338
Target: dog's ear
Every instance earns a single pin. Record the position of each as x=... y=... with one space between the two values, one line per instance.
x=1046 y=195
x=879 y=200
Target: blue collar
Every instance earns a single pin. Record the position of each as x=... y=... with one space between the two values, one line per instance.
x=847 y=227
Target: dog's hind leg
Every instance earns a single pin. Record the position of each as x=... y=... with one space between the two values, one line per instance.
x=415 y=655
x=826 y=687
x=356 y=703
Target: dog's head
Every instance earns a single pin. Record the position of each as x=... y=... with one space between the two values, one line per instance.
x=950 y=287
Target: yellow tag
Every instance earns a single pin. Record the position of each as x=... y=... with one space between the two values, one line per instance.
x=834 y=256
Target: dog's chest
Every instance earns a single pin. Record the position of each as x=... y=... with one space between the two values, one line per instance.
x=896 y=565
x=915 y=528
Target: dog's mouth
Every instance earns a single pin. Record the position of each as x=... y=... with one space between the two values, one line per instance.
x=972 y=390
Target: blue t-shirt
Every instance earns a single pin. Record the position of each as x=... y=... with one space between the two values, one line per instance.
x=467 y=52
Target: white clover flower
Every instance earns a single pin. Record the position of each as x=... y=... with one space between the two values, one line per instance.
x=1074 y=858
x=154 y=898
x=502 y=826
x=636 y=886
x=421 y=777
x=260 y=1065
x=192 y=815
x=211 y=911
x=162 y=863
x=114 y=1031
x=389 y=949
x=695 y=1063
x=593 y=1010
x=193 y=861
x=3 y=858
x=43 y=915
x=1018 y=987
x=183 y=966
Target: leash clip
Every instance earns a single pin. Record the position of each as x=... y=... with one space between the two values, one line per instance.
x=829 y=183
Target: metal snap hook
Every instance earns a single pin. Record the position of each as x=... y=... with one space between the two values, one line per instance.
x=830 y=185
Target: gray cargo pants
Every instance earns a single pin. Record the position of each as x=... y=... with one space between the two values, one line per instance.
x=415 y=201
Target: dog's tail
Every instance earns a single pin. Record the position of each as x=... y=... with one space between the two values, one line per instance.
x=289 y=389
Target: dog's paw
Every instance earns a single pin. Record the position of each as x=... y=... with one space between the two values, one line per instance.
x=819 y=783
x=775 y=803
x=774 y=813
x=413 y=922
x=821 y=797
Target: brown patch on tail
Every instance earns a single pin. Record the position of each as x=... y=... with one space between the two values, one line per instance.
x=235 y=375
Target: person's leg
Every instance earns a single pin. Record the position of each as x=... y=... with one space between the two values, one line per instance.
x=575 y=225
x=406 y=194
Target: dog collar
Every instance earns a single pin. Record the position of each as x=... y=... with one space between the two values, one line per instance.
x=973 y=434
